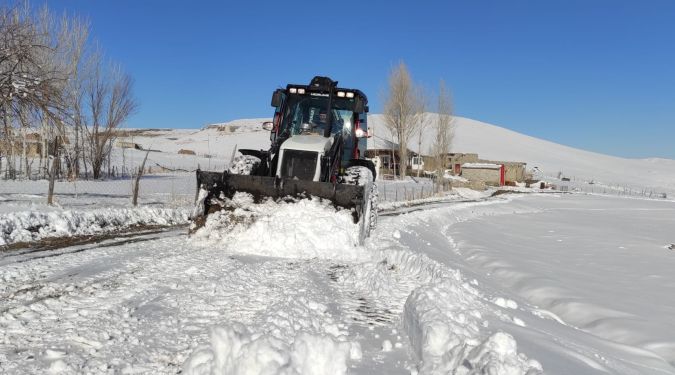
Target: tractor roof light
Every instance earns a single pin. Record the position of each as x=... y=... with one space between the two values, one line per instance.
x=301 y=91
x=293 y=90
x=341 y=94
x=350 y=94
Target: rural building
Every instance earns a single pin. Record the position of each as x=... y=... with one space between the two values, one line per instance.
x=33 y=144
x=453 y=161
x=387 y=152
x=487 y=173
x=513 y=171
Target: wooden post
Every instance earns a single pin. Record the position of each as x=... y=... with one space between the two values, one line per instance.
x=137 y=182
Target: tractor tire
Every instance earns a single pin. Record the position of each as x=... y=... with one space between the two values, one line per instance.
x=362 y=176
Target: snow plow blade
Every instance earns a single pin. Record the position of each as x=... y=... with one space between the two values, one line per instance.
x=216 y=186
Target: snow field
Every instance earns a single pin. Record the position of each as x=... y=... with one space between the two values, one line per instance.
x=593 y=263
x=458 y=288
x=219 y=302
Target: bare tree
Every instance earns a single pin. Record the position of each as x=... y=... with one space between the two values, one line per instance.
x=110 y=103
x=444 y=130
x=422 y=125
x=402 y=110
x=37 y=60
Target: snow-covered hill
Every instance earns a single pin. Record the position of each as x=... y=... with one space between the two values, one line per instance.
x=471 y=136
x=497 y=143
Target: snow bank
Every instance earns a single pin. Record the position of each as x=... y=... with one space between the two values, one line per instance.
x=444 y=321
x=26 y=226
x=290 y=228
x=467 y=193
x=388 y=205
x=236 y=351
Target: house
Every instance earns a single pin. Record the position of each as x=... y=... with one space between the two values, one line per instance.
x=485 y=173
x=387 y=153
x=452 y=162
x=513 y=171
x=33 y=145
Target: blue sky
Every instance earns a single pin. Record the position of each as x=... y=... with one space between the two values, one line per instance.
x=593 y=74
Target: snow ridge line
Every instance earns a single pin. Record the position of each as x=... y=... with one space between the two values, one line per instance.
x=29 y=226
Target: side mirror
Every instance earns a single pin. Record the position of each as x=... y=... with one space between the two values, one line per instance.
x=276 y=98
x=359 y=107
x=268 y=125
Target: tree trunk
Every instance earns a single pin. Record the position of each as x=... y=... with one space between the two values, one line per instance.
x=419 y=152
x=52 y=174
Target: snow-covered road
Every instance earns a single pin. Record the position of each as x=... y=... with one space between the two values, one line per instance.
x=430 y=293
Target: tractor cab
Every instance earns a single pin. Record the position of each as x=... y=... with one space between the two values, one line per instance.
x=319 y=121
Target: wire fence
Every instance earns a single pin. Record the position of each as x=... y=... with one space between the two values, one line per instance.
x=175 y=189
x=411 y=189
x=573 y=184
x=163 y=189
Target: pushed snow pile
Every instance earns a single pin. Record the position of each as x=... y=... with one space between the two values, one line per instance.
x=444 y=322
x=243 y=164
x=291 y=228
x=29 y=226
x=236 y=351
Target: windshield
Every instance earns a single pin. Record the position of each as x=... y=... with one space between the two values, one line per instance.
x=306 y=114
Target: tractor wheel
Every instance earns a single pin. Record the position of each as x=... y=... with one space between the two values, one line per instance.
x=362 y=176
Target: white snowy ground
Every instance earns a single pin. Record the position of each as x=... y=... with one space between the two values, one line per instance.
x=572 y=284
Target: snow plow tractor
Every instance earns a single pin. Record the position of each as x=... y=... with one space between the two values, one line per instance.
x=318 y=142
